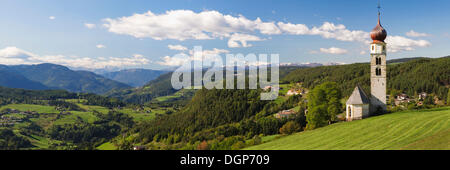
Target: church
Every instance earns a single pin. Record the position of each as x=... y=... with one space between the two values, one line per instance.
x=360 y=105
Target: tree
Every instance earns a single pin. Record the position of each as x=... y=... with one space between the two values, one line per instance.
x=290 y=128
x=323 y=105
x=429 y=100
x=238 y=145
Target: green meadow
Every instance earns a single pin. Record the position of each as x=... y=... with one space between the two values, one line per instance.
x=408 y=130
x=49 y=116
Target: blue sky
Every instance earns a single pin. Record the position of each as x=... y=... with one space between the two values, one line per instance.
x=57 y=31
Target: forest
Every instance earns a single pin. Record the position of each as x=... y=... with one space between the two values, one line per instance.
x=411 y=77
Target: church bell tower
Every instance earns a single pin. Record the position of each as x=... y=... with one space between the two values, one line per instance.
x=378 y=68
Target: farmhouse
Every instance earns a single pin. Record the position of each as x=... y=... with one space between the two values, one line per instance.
x=284 y=114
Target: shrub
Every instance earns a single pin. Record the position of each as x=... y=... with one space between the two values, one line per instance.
x=238 y=145
x=289 y=128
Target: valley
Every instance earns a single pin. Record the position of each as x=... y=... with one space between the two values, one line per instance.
x=157 y=117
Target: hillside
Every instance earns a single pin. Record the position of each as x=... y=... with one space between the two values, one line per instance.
x=414 y=76
x=60 y=77
x=14 y=80
x=426 y=129
x=57 y=119
x=162 y=86
x=134 y=77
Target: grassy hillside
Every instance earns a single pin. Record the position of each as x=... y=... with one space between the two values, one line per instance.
x=427 y=129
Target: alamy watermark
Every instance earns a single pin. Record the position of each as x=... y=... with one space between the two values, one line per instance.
x=211 y=70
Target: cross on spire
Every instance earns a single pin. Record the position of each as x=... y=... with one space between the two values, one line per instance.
x=379 y=13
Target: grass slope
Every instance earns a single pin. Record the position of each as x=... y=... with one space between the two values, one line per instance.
x=409 y=130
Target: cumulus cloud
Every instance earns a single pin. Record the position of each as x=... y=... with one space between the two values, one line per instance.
x=241 y=40
x=207 y=56
x=327 y=30
x=174 y=61
x=15 y=56
x=186 y=24
x=333 y=50
x=399 y=43
x=413 y=33
x=177 y=47
x=100 y=46
x=89 y=25
x=52 y=17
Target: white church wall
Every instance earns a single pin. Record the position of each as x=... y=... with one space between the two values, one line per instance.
x=358 y=112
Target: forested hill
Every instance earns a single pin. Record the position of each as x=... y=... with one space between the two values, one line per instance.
x=162 y=86
x=60 y=77
x=208 y=109
x=11 y=95
x=415 y=76
x=14 y=80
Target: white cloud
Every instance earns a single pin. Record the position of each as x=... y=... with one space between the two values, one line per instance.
x=89 y=25
x=206 y=56
x=241 y=40
x=295 y=29
x=327 y=30
x=333 y=50
x=15 y=56
x=398 y=43
x=412 y=33
x=100 y=46
x=174 y=61
x=186 y=24
x=177 y=47
x=52 y=17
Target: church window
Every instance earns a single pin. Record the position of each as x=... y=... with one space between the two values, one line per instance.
x=378 y=71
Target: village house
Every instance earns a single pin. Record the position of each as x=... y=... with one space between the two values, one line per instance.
x=402 y=98
x=268 y=88
x=284 y=114
x=422 y=96
x=293 y=92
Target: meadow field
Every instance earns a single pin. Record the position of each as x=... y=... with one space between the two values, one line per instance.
x=408 y=130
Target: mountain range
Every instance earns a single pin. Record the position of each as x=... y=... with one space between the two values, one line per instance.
x=134 y=77
x=52 y=76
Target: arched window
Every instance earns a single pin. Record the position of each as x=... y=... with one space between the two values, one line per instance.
x=378 y=71
x=349 y=112
x=378 y=61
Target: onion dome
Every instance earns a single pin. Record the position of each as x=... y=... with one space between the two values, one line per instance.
x=378 y=34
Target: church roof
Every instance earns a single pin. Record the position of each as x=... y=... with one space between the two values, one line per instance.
x=358 y=97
